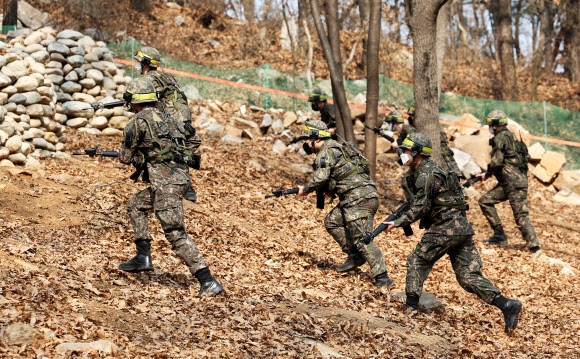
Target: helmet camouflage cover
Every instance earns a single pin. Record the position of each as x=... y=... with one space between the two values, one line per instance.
x=317 y=129
x=418 y=142
x=150 y=55
x=496 y=118
x=317 y=95
x=140 y=90
x=411 y=110
x=395 y=117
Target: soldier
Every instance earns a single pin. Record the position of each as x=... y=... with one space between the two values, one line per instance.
x=509 y=164
x=161 y=146
x=171 y=99
x=343 y=172
x=318 y=100
x=397 y=124
x=439 y=204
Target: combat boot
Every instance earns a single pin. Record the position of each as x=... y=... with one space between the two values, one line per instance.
x=191 y=195
x=208 y=283
x=499 y=238
x=510 y=309
x=383 y=279
x=354 y=260
x=142 y=261
x=411 y=304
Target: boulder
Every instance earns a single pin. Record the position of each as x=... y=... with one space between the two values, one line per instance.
x=57 y=47
x=467 y=124
x=568 y=179
x=77 y=50
x=26 y=83
x=6 y=163
x=38 y=68
x=14 y=143
x=8 y=128
x=229 y=139
x=277 y=126
x=70 y=35
x=15 y=70
x=427 y=302
x=466 y=164
x=40 y=143
x=10 y=90
x=55 y=79
x=111 y=132
x=35 y=110
x=289 y=119
x=99 y=122
x=383 y=145
x=32 y=48
x=17 y=98
x=79 y=96
x=96 y=75
x=118 y=122
x=55 y=56
x=71 y=76
x=32 y=97
x=70 y=87
x=536 y=151
x=20 y=333
x=550 y=165
x=101 y=346
x=88 y=83
x=266 y=123
x=17 y=158
x=41 y=56
x=32 y=164
x=565 y=195
x=31 y=17
x=4 y=80
x=477 y=146
x=279 y=147
x=75 y=60
x=77 y=122
x=77 y=109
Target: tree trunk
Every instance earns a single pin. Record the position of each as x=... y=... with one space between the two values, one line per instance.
x=303 y=13
x=372 y=110
x=442 y=23
x=331 y=48
x=572 y=41
x=501 y=13
x=365 y=12
x=539 y=51
x=424 y=23
x=249 y=10
x=10 y=13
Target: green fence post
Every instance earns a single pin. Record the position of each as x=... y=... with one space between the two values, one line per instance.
x=267 y=85
x=545 y=125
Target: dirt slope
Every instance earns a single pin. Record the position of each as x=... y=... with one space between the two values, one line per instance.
x=60 y=247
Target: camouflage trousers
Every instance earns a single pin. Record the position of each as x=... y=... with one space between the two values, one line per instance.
x=347 y=224
x=167 y=203
x=464 y=259
x=519 y=202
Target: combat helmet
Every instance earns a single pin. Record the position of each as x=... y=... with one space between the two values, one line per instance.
x=317 y=95
x=315 y=129
x=418 y=142
x=411 y=110
x=140 y=90
x=148 y=56
x=394 y=117
x=496 y=118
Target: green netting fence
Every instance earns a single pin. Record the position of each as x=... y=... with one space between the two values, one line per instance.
x=541 y=119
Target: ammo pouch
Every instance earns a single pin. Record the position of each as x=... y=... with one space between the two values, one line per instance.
x=195 y=161
x=320 y=198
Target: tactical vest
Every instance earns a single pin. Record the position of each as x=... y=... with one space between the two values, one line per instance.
x=171 y=97
x=515 y=152
x=351 y=163
x=451 y=197
x=169 y=137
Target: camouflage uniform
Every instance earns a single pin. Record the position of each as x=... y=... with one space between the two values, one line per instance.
x=353 y=217
x=406 y=131
x=448 y=232
x=169 y=178
x=511 y=173
x=327 y=115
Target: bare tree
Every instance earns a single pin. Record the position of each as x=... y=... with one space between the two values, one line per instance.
x=10 y=13
x=303 y=13
x=424 y=24
x=371 y=114
x=249 y=10
x=331 y=48
x=442 y=24
x=572 y=40
x=502 y=27
x=365 y=12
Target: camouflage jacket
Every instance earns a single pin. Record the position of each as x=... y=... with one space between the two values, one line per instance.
x=506 y=165
x=431 y=194
x=333 y=169
x=405 y=131
x=141 y=145
x=327 y=115
x=445 y=150
x=171 y=99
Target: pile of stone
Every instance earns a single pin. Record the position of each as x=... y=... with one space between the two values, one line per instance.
x=47 y=81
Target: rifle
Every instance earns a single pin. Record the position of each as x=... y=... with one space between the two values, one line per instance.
x=471 y=182
x=281 y=192
x=92 y=152
x=395 y=215
x=378 y=131
x=99 y=105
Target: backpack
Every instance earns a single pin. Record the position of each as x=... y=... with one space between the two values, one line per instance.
x=172 y=98
x=522 y=151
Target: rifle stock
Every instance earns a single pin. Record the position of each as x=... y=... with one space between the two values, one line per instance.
x=392 y=217
x=281 y=192
x=92 y=152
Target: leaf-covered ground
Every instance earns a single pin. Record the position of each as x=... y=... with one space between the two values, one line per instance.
x=62 y=238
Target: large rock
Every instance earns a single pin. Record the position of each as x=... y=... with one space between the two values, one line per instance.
x=14 y=143
x=79 y=96
x=536 y=152
x=229 y=139
x=55 y=79
x=289 y=119
x=26 y=83
x=427 y=302
x=20 y=334
x=111 y=132
x=41 y=56
x=467 y=124
x=35 y=110
x=32 y=97
x=17 y=158
x=477 y=146
x=4 y=80
x=32 y=48
x=87 y=83
x=77 y=122
x=57 y=47
x=18 y=99
x=4 y=153
x=77 y=109
x=3 y=137
x=101 y=346
x=32 y=18
x=466 y=164
x=15 y=70
x=568 y=179
x=75 y=60
x=567 y=196
x=277 y=126
x=99 y=122
x=383 y=145
x=96 y=75
x=550 y=165
x=70 y=35
x=118 y=122
x=34 y=38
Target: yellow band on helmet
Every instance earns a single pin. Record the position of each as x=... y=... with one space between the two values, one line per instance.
x=144 y=96
x=409 y=143
x=321 y=133
x=320 y=96
x=501 y=121
x=151 y=61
